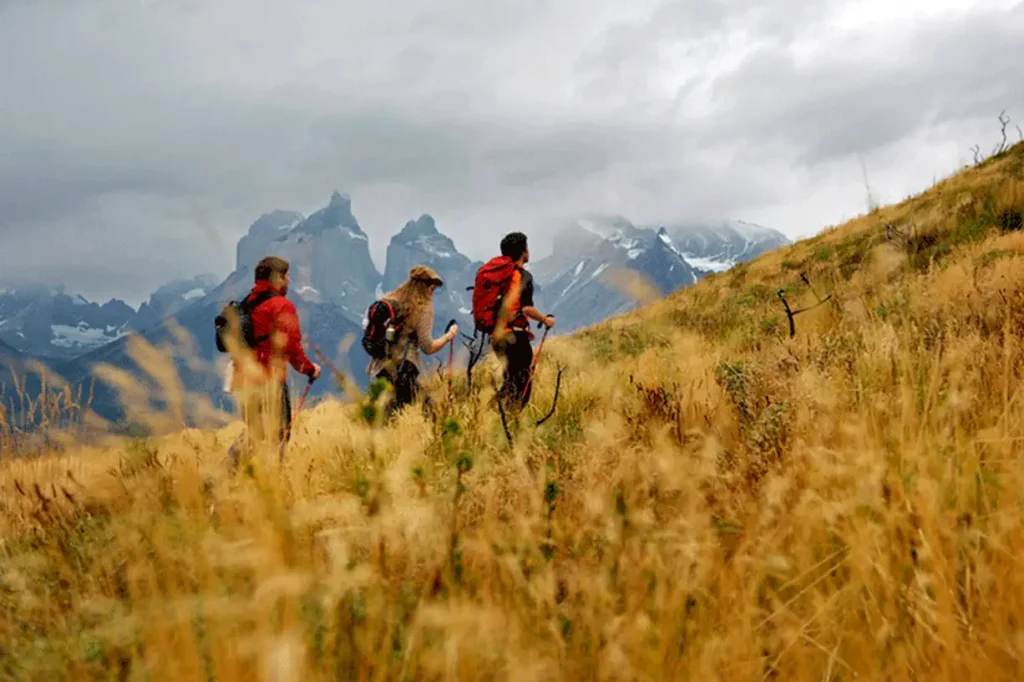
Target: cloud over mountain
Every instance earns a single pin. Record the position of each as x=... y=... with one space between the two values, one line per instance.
x=140 y=137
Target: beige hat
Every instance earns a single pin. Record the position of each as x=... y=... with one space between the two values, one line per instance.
x=425 y=274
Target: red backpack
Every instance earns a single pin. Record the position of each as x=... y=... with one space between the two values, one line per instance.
x=489 y=289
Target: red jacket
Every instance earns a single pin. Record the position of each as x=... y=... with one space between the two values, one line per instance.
x=277 y=317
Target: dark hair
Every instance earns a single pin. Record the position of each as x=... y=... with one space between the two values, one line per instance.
x=271 y=265
x=513 y=245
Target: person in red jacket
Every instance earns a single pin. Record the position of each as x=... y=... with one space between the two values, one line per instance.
x=259 y=381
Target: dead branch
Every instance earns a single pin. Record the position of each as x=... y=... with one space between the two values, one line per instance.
x=803 y=277
x=789 y=313
x=554 y=402
x=475 y=353
x=1020 y=133
x=501 y=411
x=977 y=154
x=1004 y=121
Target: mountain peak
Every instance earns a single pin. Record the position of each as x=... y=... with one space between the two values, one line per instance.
x=421 y=227
x=340 y=201
x=337 y=214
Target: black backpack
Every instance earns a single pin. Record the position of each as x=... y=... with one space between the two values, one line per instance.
x=243 y=313
x=383 y=326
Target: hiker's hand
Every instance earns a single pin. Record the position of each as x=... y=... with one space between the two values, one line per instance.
x=453 y=332
x=315 y=374
x=549 y=321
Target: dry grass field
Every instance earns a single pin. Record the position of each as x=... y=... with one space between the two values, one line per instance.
x=712 y=499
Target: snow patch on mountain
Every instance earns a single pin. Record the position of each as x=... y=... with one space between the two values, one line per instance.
x=83 y=336
x=718 y=245
x=598 y=271
x=708 y=264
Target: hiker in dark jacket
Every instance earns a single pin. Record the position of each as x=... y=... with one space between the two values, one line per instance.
x=259 y=376
x=514 y=343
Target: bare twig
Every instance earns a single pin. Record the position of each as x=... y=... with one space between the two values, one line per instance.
x=501 y=411
x=1020 y=133
x=475 y=353
x=871 y=203
x=1004 y=121
x=554 y=402
x=977 y=154
x=803 y=277
x=790 y=313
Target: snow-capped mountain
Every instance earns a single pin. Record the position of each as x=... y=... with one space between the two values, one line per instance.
x=334 y=281
x=581 y=284
x=717 y=245
x=420 y=243
x=170 y=298
x=10 y=368
x=47 y=323
x=328 y=251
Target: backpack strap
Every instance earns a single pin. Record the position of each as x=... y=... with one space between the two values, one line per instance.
x=393 y=309
x=251 y=303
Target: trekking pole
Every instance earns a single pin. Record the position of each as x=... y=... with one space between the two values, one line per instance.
x=324 y=359
x=536 y=358
x=451 y=357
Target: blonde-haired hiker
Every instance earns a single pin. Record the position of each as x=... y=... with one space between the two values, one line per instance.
x=399 y=326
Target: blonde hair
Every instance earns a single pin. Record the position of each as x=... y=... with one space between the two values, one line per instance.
x=416 y=296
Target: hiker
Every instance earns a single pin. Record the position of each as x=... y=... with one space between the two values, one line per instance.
x=511 y=340
x=259 y=375
x=413 y=308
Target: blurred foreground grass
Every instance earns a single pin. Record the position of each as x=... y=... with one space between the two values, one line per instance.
x=711 y=500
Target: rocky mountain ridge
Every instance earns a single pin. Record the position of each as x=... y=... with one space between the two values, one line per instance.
x=334 y=280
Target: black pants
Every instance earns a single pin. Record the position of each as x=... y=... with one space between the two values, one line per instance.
x=518 y=354
x=286 y=413
x=406 y=383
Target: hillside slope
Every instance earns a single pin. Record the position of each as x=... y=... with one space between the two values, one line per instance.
x=711 y=500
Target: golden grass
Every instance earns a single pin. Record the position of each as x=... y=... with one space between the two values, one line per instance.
x=713 y=500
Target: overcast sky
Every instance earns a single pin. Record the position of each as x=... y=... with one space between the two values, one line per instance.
x=140 y=138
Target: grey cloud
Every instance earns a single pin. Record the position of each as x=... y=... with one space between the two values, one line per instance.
x=38 y=188
x=119 y=119
x=622 y=59
x=947 y=71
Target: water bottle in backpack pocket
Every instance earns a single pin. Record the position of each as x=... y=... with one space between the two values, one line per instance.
x=382 y=329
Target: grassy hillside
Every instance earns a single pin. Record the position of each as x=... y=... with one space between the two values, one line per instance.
x=712 y=499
